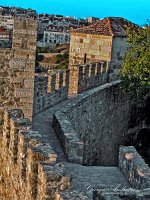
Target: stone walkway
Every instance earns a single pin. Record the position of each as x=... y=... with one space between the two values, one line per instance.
x=86 y=179
x=97 y=176
x=43 y=124
x=83 y=178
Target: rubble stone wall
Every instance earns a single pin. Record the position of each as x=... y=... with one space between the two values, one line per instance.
x=100 y=119
x=27 y=165
x=6 y=88
x=134 y=167
x=49 y=90
x=17 y=67
x=84 y=77
x=87 y=76
x=70 y=141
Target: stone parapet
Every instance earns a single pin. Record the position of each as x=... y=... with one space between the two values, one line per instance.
x=85 y=117
x=50 y=89
x=71 y=143
x=84 y=77
x=134 y=167
x=27 y=162
x=52 y=180
x=87 y=76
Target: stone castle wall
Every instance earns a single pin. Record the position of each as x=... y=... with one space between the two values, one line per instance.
x=93 y=47
x=49 y=90
x=99 y=118
x=91 y=127
x=29 y=168
x=18 y=67
x=28 y=165
x=72 y=144
x=6 y=88
x=134 y=168
x=84 y=77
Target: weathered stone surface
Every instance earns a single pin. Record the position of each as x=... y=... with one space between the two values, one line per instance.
x=134 y=167
x=86 y=76
x=72 y=144
x=96 y=47
x=21 y=151
x=49 y=90
x=89 y=127
x=18 y=64
x=100 y=118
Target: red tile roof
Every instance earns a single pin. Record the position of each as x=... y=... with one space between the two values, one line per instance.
x=111 y=26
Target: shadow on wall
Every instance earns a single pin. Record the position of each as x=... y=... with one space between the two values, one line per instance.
x=142 y=144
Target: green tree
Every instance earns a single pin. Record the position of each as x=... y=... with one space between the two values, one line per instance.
x=136 y=66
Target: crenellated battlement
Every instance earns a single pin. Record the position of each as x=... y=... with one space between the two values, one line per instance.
x=57 y=79
x=50 y=89
x=31 y=163
x=84 y=77
x=90 y=127
x=29 y=166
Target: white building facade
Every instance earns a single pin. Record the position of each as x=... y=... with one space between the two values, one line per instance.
x=7 y=21
x=56 y=37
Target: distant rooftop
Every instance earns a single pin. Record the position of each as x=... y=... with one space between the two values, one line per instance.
x=110 y=26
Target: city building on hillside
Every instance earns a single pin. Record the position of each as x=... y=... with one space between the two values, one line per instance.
x=56 y=37
x=5 y=38
x=93 y=20
x=54 y=29
x=45 y=20
x=106 y=40
x=7 y=15
x=42 y=25
x=6 y=21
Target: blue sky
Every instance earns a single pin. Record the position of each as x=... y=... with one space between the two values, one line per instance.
x=137 y=11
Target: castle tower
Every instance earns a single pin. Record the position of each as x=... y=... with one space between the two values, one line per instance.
x=22 y=65
x=17 y=68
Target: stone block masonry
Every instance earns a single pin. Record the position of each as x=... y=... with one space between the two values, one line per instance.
x=29 y=169
x=84 y=77
x=70 y=141
x=99 y=119
x=91 y=126
x=17 y=67
x=134 y=167
x=50 y=89
x=28 y=165
x=88 y=48
x=87 y=76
